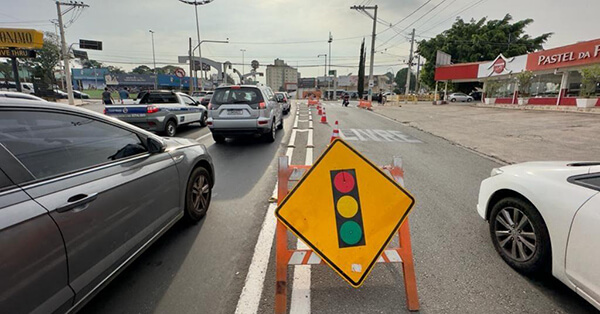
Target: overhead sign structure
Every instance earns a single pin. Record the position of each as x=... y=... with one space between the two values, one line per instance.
x=442 y=58
x=80 y=54
x=179 y=72
x=21 y=38
x=17 y=53
x=346 y=210
x=90 y=44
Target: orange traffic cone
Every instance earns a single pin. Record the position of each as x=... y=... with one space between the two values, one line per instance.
x=319 y=110
x=336 y=133
x=324 y=117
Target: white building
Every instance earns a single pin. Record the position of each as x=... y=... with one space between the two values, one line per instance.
x=282 y=77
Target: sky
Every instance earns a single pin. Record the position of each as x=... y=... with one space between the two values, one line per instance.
x=295 y=31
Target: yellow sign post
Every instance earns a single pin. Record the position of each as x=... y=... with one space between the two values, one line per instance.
x=346 y=210
x=21 y=38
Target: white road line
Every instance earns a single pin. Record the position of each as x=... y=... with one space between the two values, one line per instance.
x=300 y=302
x=204 y=136
x=255 y=279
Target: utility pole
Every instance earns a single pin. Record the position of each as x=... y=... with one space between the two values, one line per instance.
x=410 y=59
x=418 y=72
x=154 y=61
x=243 y=65
x=374 y=17
x=329 y=41
x=192 y=83
x=63 y=41
x=323 y=55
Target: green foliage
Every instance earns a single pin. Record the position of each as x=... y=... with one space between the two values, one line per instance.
x=524 y=79
x=479 y=41
x=47 y=60
x=361 y=70
x=88 y=64
x=6 y=70
x=114 y=70
x=590 y=78
x=491 y=88
x=401 y=81
x=142 y=69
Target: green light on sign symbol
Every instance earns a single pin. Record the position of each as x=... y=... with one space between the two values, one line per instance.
x=350 y=232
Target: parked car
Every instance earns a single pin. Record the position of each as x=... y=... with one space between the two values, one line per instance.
x=160 y=111
x=454 y=97
x=476 y=95
x=12 y=87
x=285 y=101
x=17 y=95
x=543 y=217
x=80 y=95
x=81 y=196
x=60 y=94
x=244 y=110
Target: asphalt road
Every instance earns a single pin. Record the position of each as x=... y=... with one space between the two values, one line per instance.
x=202 y=268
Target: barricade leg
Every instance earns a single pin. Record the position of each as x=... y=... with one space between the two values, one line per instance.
x=281 y=249
x=408 y=267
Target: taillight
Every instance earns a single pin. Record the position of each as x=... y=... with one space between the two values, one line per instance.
x=262 y=105
x=152 y=109
x=235 y=87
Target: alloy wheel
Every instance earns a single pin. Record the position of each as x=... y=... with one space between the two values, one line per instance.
x=515 y=234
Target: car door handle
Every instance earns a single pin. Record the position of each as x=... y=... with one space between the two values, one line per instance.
x=76 y=201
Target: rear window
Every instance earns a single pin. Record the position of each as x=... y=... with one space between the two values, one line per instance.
x=244 y=95
x=159 y=98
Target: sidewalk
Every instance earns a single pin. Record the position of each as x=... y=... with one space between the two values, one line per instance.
x=508 y=135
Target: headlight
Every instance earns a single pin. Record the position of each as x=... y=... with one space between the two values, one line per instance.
x=496 y=172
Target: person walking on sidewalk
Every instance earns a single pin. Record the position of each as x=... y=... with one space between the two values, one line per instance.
x=107 y=98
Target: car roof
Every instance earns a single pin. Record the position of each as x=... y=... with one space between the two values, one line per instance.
x=17 y=95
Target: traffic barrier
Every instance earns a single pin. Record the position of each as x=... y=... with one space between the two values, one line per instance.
x=284 y=257
x=324 y=116
x=336 y=132
x=313 y=102
x=365 y=104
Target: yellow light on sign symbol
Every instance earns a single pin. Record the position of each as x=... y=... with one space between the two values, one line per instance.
x=347 y=206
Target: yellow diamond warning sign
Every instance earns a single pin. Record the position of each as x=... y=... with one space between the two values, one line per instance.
x=346 y=210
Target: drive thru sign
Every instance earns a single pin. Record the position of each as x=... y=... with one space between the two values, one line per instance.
x=346 y=210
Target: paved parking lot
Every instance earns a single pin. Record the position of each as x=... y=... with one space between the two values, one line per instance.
x=507 y=135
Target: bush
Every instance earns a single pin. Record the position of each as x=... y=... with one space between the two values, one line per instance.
x=524 y=79
x=590 y=78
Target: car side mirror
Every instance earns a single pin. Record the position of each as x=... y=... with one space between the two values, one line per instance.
x=154 y=146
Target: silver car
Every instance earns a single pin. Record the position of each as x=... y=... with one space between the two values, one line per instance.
x=244 y=110
x=81 y=196
x=454 y=97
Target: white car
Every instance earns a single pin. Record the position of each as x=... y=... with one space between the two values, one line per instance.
x=454 y=97
x=546 y=216
x=17 y=95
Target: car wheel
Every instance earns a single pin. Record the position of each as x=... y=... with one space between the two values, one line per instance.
x=203 y=119
x=453 y=100
x=469 y=99
x=170 y=128
x=270 y=136
x=280 y=126
x=198 y=195
x=219 y=139
x=520 y=235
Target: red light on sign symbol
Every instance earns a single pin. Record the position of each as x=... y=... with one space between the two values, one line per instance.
x=344 y=182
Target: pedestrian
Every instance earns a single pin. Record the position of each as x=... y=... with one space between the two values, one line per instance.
x=124 y=94
x=107 y=98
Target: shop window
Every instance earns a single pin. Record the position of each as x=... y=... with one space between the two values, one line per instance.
x=545 y=85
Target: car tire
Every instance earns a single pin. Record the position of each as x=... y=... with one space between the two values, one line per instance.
x=453 y=100
x=203 y=120
x=198 y=195
x=469 y=99
x=170 y=128
x=520 y=236
x=219 y=139
x=270 y=136
x=280 y=125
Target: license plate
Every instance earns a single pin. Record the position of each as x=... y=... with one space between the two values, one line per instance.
x=235 y=112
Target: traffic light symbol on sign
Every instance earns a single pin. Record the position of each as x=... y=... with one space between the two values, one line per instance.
x=348 y=215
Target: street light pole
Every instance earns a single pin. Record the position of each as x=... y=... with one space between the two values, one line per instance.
x=154 y=61
x=196 y=4
x=374 y=17
x=323 y=55
x=329 y=41
x=243 y=65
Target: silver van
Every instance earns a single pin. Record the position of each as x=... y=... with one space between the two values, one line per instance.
x=244 y=110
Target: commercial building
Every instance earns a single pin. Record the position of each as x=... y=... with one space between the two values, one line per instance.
x=556 y=77
x=282 y=77
x=89 y=78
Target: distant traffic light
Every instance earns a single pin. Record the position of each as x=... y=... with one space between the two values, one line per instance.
x=348 y=214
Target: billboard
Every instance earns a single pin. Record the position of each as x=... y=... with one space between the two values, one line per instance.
x=130 y=79
x=89 y=74
x=308 y=82
x=442 y=58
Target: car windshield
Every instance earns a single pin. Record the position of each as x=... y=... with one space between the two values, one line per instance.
x=159 y=98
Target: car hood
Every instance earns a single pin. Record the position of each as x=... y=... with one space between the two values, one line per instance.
x=551 y=169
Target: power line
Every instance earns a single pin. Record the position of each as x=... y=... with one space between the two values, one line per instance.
x=473 y=4
x=436 y=14
x=406 y=17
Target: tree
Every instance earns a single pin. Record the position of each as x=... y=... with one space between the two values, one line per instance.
x=361 y=71
x=47 y=60
x=114 y=70
x=401 y=81
x=142 y=69
x=479 y=41
x=168 y=69
x=89 y=63
x=6 y=70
